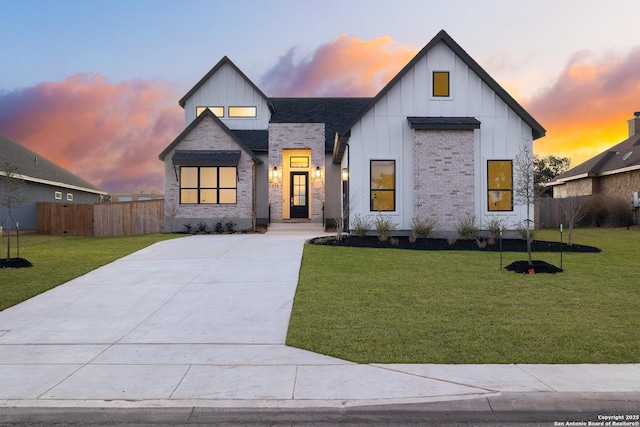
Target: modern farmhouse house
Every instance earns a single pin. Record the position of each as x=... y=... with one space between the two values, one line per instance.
x=438 y=141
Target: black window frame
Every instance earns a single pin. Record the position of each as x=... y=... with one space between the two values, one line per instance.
x=499 y=190
x=372 y=190
x=217 y=188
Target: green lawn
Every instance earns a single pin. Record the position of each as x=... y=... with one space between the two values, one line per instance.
x=403 y=306
x=58 y=259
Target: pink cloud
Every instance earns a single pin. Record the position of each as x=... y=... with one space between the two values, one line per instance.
x=347 y=66
x=108 y=133
x=585 y=110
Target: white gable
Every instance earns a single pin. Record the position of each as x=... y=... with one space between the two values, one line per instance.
x=228 y=88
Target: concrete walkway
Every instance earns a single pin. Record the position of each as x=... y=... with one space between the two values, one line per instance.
x=201 y=322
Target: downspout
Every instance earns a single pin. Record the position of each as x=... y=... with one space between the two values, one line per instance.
x=345 y=190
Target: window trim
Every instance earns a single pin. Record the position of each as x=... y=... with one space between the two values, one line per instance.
x=236 y=116
x=57 y=195
x=211 y=108
x=69 y=197
x=393 y=191
x=499 y=190
x=217 y=189
x=450 y=84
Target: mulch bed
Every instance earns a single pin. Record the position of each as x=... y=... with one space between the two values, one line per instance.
x=14 y=263
x=508 y=245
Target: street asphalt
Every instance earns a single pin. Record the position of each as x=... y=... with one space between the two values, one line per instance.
x=192 y=331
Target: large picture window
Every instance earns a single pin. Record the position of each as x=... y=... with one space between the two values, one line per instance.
x=383 y=185
x=208 y=185
x=500 y=185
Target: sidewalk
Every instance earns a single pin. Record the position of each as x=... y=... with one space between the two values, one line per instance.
x=201 y=322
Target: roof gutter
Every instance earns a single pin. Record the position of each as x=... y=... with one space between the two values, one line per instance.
x=55 y=183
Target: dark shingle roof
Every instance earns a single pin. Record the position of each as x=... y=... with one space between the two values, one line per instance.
x=444 y=123
x=256 y=140
x=208 y=114
x=335 y=113
x=623 y=155
x=36 y=168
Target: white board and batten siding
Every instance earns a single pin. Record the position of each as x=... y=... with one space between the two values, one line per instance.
x=384 y=133
x=227 y=88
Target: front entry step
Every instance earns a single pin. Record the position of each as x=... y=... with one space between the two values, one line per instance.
x=296 y=226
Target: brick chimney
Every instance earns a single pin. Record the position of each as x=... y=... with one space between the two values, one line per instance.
x=634 y=124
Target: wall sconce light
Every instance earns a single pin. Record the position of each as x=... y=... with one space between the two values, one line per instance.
x=275 y=174
x=318 y=173
x=345 y=174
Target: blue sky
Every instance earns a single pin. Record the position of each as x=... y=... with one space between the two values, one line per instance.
x=573 y=64
x=179 y=41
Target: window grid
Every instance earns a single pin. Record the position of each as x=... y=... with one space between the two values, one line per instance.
x=208 y=185
x=382 y=185
x=500 y=185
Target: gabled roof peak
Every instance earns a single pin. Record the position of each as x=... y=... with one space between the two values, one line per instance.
x=224 y=61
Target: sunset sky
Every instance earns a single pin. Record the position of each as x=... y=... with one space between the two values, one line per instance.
x=94 y=85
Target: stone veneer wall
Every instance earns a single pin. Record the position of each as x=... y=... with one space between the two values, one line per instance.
x=207 y=135
x=284 y=136
x=443 y=182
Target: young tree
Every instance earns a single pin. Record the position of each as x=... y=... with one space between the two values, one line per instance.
x=574 y=209
x=11 y=196
x=525 y=192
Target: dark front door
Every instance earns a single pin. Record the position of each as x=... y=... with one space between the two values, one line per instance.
x=299 y=195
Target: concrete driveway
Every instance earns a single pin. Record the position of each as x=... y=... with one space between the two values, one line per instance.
x=202 y=321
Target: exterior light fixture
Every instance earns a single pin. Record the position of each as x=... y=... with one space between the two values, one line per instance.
x=275 y=174
x=345 y=174
x=318 y=173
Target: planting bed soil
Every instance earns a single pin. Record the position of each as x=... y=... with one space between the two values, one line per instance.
x=508 y=245
x=14 y=263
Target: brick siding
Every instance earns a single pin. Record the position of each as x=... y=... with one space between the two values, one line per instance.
x=443 y=170
x=208 y=136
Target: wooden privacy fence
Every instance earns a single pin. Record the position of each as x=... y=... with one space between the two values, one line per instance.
x=548 y=212
x=101 y=219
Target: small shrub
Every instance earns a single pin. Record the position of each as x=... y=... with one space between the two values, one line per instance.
x=361 y=226
x=187 y=228
x=202 y=227
x=394 y=241
x=451 y=240
x=218 y=228
x=412 y=238
x=495 y=226
x=230 y=226
x=482 y=243
x=384 y=226
x=521 y=227
x=619 y=212
x=468 y=227
x=422 y=227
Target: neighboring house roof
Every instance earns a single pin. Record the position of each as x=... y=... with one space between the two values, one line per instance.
x=622 y=157
x=537 y=130
x=211 y=72
x=335 y=113
x=35 y=168
x=202 y=116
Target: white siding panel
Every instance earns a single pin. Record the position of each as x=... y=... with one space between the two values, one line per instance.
x=382 y=137
x=421 y=88
x=488 y=101
x=394 y=100
x=408 y=94
x=228 y=88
